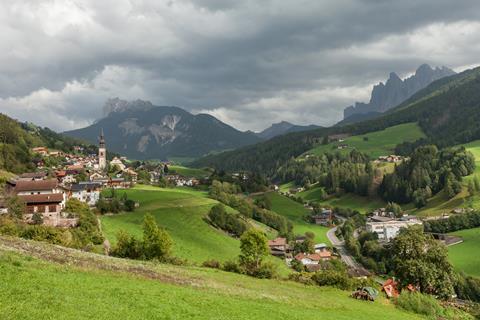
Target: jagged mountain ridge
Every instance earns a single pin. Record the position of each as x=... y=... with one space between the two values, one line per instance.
x=395 y=90
x=141 y=130
x=283 y=127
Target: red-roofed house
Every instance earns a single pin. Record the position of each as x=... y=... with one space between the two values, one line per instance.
x=313 y=258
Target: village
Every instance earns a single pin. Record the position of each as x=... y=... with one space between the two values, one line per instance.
x=46 y=191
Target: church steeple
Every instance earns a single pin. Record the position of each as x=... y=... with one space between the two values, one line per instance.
x=102 y=139
x=102 y=152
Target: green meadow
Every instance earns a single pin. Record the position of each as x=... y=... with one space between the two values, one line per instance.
x=296 y=212
x=189 y=172
x=181 y=212
x=39 y=281
x=375 y=144
x=465 y=256
x=348 y=200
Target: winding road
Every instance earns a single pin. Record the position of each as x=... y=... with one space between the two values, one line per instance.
x=340 y=246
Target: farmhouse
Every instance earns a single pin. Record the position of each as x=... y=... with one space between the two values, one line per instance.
x=31 y=187
x=48 y=205
x=387 y=230
x=324 y=217
x=278 y=247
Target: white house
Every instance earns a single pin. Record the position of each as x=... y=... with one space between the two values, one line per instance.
x=88 y=192
x=117 y=162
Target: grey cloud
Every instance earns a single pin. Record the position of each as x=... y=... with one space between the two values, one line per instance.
x=279 y=59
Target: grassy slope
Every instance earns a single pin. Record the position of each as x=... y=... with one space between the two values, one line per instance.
x=379 y=142
x=87 y=286
x=295 y=212
x=190 y=172
x=181 y=212
x=440 y=204
x=464 y=256
x=348 y=200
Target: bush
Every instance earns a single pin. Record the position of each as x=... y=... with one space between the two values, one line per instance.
x=267 y=270
x=214 y=264
x=420 y=303
x=127 y=246
x=333 y=278
x=232 y=266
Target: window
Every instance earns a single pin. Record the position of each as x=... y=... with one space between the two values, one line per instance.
x=52 y=208
x=30 y=209
x=41 y=209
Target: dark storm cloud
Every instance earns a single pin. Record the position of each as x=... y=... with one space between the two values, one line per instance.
x=301 y=61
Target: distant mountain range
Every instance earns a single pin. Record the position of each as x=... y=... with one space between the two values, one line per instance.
x=395 y=91
x=283 y=127
x=447 y=111
x=141 y=130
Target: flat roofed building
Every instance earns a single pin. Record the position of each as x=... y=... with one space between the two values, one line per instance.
x=390 y=229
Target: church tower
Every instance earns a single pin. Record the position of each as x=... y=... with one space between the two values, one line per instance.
x=102 y=153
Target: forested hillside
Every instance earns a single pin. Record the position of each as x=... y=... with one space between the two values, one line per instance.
x=17 y=139
x=447 y=111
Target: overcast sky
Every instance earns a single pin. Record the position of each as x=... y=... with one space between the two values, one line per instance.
x=249 y=63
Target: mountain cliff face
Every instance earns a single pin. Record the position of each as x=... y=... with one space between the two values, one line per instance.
x=395 y=90
x=140 y=130
x=283 y=127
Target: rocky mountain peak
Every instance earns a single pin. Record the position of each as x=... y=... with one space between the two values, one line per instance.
x=395 y=90
x=118 y=105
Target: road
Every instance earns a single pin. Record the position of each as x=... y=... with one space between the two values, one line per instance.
x=340 y=246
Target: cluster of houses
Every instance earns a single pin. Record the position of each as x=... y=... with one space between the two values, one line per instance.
x=162 y=171
x=81 y=177
x=386 y=226
x=390 y=159
x=279 y=247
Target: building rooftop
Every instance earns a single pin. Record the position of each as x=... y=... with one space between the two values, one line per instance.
x=42 y=198
x=40 y=185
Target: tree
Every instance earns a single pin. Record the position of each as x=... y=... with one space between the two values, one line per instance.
x=395 y=208
x=476 y=181
x=157 y=243
x=419 y=260
x=16 y=207
x=37 y=218
x=471 y=188
x=254 y=248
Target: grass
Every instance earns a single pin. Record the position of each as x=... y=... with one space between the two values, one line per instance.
x=190 y=172
x=375 y=144
x=464 y=256
x=295 y=212
x=74 y=285
x=181 y=212
x=348 y=200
